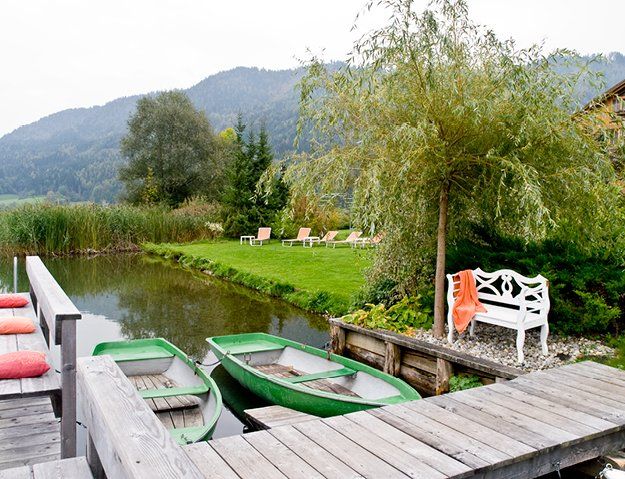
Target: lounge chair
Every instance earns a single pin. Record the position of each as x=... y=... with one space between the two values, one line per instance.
x=362 y=242
x=264 y=234
x=353 y=236
x=329 y=236
x=302 y=234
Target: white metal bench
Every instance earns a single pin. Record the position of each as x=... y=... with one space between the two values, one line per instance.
x=512 y=301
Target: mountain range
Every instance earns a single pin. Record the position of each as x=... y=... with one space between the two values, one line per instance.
x=75 y=153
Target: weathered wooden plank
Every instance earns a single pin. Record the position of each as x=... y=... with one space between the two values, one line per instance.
x=446 y=439
x=421 y=451
x=562 y=423
x=246 y=461
x=510 y=415
x=324 y=462
x=28 y=454
x=430 y=438
x=54 y=304
x=22 y=472
x=272 y=416
x=566 y=388
x=570 y=400
x=555 y=408
x=444 y=370
x=512 y=430
x=337 y=336
x=289 y=463
x=130 y=441
x=26 y=410
x=73 y=468
x=33 y=439
x=594 y=370
x=27 y=420
x=24 y=402
x=589 y=384
x=44 y=427
x=348 y=451
x=389 y=453
x=208 y=461
x=476 y=430
x=68 y=386
x=392 y=358
x=602 y=368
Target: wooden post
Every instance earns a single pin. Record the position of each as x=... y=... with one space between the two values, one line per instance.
x=392 y=359
x=443 y=373
x=337 y=335
x=94 y=460
x=68 y=388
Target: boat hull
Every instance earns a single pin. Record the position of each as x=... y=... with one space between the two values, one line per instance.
x=296 y=396
x=158 y=358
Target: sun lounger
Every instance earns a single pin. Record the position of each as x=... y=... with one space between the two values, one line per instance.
x=264 y=234
x=329 y=236
x=353 y=236
x=302 y=234
x=362 y=242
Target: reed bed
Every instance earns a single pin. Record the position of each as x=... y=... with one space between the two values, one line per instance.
x=52 y=229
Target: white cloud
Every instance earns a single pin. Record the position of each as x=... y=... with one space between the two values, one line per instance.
x=70 y=53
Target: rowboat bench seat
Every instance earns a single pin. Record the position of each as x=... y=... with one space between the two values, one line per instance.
x=511 y=300
x=322 y=375
x=171 y=392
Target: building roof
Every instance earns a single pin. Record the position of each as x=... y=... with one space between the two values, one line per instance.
x=616 y=90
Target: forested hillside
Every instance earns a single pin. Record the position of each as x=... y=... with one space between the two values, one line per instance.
x=75 y=153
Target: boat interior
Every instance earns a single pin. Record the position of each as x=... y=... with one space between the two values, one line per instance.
x=315 y=372
x=178 y=397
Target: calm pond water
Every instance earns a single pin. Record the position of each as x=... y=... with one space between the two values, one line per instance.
x=138 y=296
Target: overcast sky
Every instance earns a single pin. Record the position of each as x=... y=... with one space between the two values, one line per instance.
x=69 y=53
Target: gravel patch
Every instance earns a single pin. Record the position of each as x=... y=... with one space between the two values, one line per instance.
x=499 y=344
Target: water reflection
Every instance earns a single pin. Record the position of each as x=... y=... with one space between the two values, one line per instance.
x=136 y=296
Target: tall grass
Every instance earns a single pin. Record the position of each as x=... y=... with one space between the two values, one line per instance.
x=47 y=229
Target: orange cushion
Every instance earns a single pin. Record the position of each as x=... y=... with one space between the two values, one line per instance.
x=12 y=301
x=16 y=326
x=23 y=364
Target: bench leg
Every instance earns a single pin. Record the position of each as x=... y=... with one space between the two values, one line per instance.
x=520 y=342
x=544 y=332
x=472 y=328
x=450 y=326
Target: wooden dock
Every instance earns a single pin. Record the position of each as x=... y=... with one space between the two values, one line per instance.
x=530 y=426
x=30 y=431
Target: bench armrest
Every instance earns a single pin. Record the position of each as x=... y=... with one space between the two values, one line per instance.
x=535 y=299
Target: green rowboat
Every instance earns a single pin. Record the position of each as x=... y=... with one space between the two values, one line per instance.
x=304 y=378
x=183 y=397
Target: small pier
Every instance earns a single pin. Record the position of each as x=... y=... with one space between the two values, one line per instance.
x=523 y=428
x=38 y=415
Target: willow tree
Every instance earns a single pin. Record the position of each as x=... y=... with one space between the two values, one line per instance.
x=434 y=124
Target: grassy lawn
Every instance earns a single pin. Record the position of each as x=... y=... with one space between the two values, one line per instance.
x=319 y=279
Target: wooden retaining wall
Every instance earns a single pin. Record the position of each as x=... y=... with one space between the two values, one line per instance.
x=426 y=367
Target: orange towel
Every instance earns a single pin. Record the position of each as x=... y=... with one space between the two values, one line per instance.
x=466 y=304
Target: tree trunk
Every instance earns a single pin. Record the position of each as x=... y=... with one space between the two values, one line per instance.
x=439 y=286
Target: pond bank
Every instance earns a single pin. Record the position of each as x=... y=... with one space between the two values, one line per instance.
x=321 y=280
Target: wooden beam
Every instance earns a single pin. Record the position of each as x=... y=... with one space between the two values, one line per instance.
x=392 y=359
x=444 y=370
x=337 y=335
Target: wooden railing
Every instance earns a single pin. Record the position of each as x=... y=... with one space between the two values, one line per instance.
x=57 y=316
x=126 y=439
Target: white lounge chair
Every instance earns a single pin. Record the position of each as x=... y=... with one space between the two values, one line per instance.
x=264 y=234
x=302 y=234
x=353 y=236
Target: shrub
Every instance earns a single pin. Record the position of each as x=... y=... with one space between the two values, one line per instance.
x=461 y=382
x=302 y=212
x=403 y=317
x=587 y=292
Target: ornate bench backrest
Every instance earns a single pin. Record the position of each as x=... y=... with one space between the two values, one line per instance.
x=506 y=287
